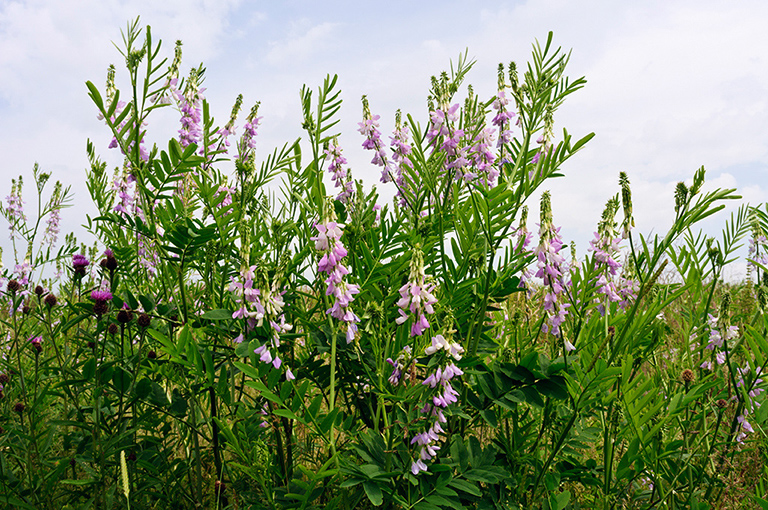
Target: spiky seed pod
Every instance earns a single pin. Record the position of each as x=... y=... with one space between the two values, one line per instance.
x=687 y=376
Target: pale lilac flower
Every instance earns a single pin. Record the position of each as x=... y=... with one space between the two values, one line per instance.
x=190 y=105
x=368 y=128
x=416 y=296
x=328 y=242
x=401 y=151
x=15 y=206
x=442 y=394
x=551 y=265
x=502 y=119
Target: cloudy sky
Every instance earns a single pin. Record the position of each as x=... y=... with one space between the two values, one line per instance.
x=672 y=85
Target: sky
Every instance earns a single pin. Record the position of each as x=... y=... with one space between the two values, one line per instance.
x=671 y=85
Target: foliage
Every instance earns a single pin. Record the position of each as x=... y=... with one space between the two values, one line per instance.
x=248 y=341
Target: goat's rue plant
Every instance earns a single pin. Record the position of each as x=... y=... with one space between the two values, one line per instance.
x=257 y=330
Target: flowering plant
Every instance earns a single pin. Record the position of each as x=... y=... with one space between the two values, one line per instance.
x=228 y=346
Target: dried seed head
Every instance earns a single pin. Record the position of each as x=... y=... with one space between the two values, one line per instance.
x=687 y=376
x=722 y=403
x=112 y=329
x=13 y=286
x=39 y=290
x=19 y=407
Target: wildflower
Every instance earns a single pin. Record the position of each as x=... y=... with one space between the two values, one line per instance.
x=341 y=177
x=483 y=159
x=36 y=344
x=54 y=216
x=443 y=395
x=502 y=118
x=259 y=302
x=328 y=241
x=248 y=140
x=401 y=151
x=368 y=128
x=440 y=120
x=79 y=263
x=550 y=268
x=100 y=298
x=125 y=315
x=15 y=206
x=399 y=366
x=109 y=261
x=190 y=104
x=416 y=296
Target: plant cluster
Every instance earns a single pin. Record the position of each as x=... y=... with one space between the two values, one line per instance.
x=244 y=339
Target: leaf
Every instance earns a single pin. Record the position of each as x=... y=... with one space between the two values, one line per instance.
x=373 y=492
x=465 y=486
x=89 y=369
x=121 y=379
x=217 y=315
x=285 y=413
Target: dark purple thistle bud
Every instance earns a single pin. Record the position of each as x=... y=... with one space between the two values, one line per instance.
x=112 y=328
x=124 y=316
x=4 y=379
x=72 y=462
x=131 y=457
x=39 y=290
x=13 y=286
x=111 y=262
x=19 y=407
x=26 y=309
x=144 y=320
x=91 y=344
x=79 y=263
x=152 y=355
x=36 y=343
x=50 y=300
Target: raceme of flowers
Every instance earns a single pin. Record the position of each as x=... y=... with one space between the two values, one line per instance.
x=328 y=242
x=441 y=395
x=416 y=296
x=551 y=269
x=369 y=129
x=257 y=304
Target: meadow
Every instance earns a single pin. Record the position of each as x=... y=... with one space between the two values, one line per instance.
x=278 y=336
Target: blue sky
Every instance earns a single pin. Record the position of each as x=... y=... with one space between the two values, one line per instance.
x=671 y=85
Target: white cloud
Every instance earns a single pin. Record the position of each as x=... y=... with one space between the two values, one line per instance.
x=302 y=41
